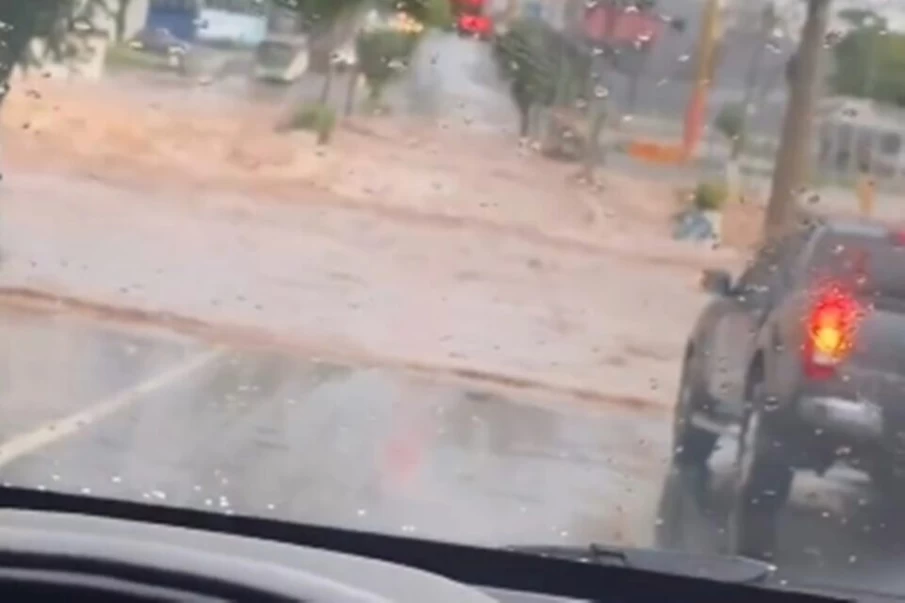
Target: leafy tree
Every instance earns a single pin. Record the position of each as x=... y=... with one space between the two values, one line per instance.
x=20 y=22
x=529 y=56
x=383 y=54
x=432 y=13
x=730 y=121
x=863 y=18
x=869 y=60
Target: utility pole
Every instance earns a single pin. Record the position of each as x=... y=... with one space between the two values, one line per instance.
x=793 y=157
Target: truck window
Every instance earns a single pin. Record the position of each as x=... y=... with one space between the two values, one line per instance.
x=772 y=272
x=872 y=265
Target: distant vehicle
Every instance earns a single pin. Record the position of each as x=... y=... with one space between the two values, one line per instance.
x=804 y=356
x=281 y=58
x=472 y=18
x=159 y=41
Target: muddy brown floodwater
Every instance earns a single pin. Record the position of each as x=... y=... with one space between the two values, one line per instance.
x=408 y=241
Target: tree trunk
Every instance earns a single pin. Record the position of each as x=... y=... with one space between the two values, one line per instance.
x=597 y=103
x=793 y=157
x=523 y=101
x=597 y=119
x=597 y=116
x=327 y=88
x=524 y=122
x=631 y=101
x=351 y=91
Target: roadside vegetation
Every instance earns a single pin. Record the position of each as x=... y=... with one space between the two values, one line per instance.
x=315 y=117
x=536 y=59
x=384 y=53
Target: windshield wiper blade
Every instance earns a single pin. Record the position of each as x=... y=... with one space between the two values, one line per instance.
x=736 y=570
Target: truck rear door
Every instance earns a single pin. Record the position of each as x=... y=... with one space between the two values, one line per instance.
x=872 y=271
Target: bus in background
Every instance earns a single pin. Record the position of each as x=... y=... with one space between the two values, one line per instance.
x=239 y=22
x=179 y=18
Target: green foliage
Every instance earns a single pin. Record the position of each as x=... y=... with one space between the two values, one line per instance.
x=432 y=13
x=709 y=196
x=317 y=118
x=383 y=54
x=870 y=61
x=862 y=18
x=730 y=120
x=122 y=56
x=22 y=21
x=532 y=55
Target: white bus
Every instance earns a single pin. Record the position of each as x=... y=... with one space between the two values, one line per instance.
x=242 y=22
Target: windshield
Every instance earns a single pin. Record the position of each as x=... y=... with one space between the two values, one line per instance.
x=443 y=278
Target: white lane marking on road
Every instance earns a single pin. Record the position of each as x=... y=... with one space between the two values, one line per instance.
x=29 y=442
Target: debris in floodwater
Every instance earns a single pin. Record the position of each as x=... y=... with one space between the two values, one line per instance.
x=694 y=225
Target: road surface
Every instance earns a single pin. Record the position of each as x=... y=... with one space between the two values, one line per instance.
x=115 y=411
x=111 y=413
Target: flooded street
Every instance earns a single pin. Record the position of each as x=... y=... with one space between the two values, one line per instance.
x=424 y=327
x=122 y=411
x=134 y=414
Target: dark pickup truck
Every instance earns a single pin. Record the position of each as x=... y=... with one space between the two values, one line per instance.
x=803 y=356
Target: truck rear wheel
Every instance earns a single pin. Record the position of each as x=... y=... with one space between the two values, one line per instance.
x=763 y=484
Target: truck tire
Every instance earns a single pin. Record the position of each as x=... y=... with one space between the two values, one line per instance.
x=685 y=512
x=691 y=445
x=763 y=479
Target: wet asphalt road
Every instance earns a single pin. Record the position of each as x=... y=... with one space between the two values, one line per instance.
x=111 y=413
x=117 y=412
x=835 y=530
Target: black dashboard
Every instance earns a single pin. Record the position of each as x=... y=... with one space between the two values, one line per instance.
x=59 y=546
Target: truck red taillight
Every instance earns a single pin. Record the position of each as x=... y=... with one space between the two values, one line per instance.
x=830 y=331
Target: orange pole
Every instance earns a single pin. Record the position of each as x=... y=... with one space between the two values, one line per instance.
x=696 y=111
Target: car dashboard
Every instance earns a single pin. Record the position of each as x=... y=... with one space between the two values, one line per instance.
x=59 y=546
